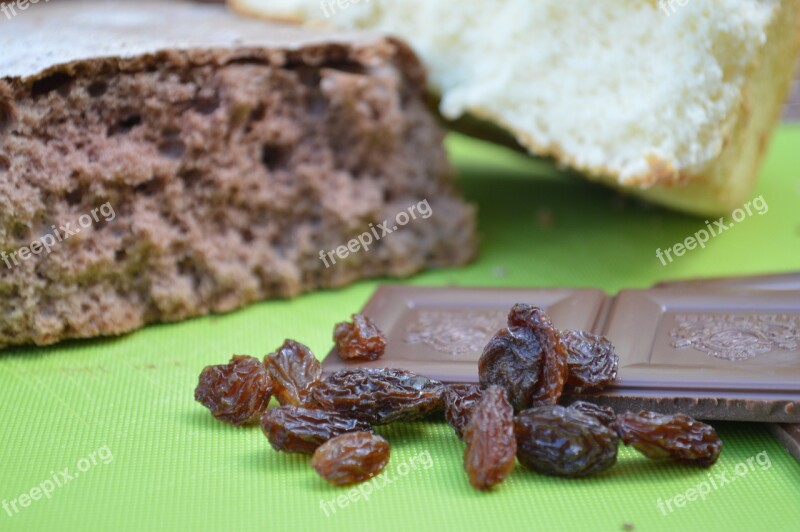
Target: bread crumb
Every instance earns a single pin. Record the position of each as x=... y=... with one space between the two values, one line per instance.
x=545 y=218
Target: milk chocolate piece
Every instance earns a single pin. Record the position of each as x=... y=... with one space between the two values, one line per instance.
x=710 y=353
x=441 y=332
x=789 y=436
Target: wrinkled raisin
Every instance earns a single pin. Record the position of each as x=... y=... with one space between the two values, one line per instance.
x=677 y=437
x=527 y=359
x=236 y=392
x=489 y=456
x=459 y=400
x=294 y=429
x=591 y=359
x=359 y=340
x=559 y=441
x=379 y=396
x=604 y=414
x=294 y=371
x=351 y=458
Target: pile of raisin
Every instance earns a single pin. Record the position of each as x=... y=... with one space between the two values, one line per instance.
x=527 y=359
x=489 y=456
x=603 y=414
x=459 y=400
x=379 y=396
x=560 y=441
x=359 y=340
x=236 y=392
x=294 y=429
x=591 y=360
x=525 y=368
x=294 y=371
x=351 y=458
x=676 y=437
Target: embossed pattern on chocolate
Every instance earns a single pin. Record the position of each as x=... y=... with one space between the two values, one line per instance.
x=455 y=332
x=736 y=336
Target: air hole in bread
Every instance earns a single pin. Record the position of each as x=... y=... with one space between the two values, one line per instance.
x=48 y=84
x=307 y=75
x=172 y=148
x=120 y=255
x=247 y=236
x=188 y=268
x=125 y=125
x=149 y=188
x=258 y=113
x=97 y=89
x=246 y=61
x=5 y=163
x=100 y=223
x=273 y=157
x=190 y=177
x=351 y=67
x=21 y=232
x=206 y=106
x=74 y=197
x=6 y=116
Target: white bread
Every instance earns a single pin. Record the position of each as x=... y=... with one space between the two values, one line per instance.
x=672 y=102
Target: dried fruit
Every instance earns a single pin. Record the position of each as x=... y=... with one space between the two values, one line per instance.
x=677 y=437
x=489 y=456
x=351 y=458
x=379 y=396
x=591 y=360
x=294 y=371
x=236 y=392
x=294 y=429
x=559 y=441
x=604 y=414
x=459 y=400
x=527 y=359
x=359 y=340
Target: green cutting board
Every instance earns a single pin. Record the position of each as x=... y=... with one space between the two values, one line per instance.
x=105 y=435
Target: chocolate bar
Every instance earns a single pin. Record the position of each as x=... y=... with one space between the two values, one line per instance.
x=787 y=434
x=706 y=351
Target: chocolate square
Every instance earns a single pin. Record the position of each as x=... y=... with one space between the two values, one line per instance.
x=441 y=332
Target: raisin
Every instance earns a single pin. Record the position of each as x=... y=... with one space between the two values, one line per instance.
x=351 y=458
x=236 y=392
x=677 y=437
x=301 y=430
x=459 y=400
x=527 y=359
x=591 y=360
x=559 y=441
x=379 y=396
x=604 y=414
x=489 y=456
x=359 y=340
x=294 y=371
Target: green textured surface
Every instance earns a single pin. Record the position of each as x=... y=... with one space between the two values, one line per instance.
x=176 y=468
